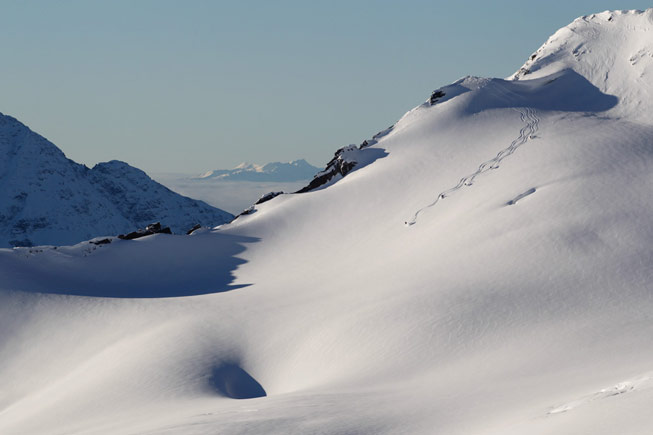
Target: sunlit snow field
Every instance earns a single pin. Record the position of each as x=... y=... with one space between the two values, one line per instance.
x=489 y=273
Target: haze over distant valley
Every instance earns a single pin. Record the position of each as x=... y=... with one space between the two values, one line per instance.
x=236 y=189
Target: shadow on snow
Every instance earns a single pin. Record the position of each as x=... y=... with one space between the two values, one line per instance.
x=156 y=266
x=230 y=380
x=565 y=91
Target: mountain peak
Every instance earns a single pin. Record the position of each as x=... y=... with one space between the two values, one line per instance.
x=47 y=198
x=613 y=50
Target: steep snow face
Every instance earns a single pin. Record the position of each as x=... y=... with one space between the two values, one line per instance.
x=613 y=50
x=518 y=301
x=270 y=172
x=46 y=198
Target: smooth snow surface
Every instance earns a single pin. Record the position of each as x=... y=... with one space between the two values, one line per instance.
x=520 y=303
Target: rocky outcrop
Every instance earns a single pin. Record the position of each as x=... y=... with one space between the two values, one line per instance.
x=261 y=200
x=267 y=197
x=154 y=228
x=345 y=160
x=436 y=96
x=341 y=164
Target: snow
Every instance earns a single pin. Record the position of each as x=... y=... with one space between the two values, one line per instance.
x=518 y=304
x=588 y=46
x=46 y=198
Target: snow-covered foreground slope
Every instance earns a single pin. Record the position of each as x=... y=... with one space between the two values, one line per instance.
x=520 y=302
x=46 y=198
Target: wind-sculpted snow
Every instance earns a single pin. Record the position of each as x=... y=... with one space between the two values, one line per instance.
x=572 y=93
x=518 y=305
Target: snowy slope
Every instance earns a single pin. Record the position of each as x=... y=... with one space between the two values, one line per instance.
x=270 y=172
x=588 y=47
x=46 y=198
x=517 y=299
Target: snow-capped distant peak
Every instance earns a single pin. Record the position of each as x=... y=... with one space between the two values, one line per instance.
x=270 y=172
x=248 y=167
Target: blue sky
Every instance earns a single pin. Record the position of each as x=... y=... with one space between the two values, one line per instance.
x=171 y=86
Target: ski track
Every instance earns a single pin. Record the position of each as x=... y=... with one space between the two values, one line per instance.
x=528 y=116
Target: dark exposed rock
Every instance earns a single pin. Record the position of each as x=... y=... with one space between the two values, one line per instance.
x=382 y=133
x=100 y=242
x=195 y=227
x=261 y=200
x=344 y=160
x=366 y=144
x=154 y=228
x=522 y=72
x=436 y=96
x=248 y=210
x=267 y=197
x=341 y=164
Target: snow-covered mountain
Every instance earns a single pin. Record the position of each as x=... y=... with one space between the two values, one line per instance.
x=46 y=198
x=489 y=273
x=270 y=172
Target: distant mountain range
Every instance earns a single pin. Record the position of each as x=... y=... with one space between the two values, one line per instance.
x=46 y=198
x=271 y=172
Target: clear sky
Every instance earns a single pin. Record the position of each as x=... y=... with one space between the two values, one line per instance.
x=188 y=86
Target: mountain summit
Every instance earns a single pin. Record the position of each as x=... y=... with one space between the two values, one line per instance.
x=46 y=198
x=613 y=50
